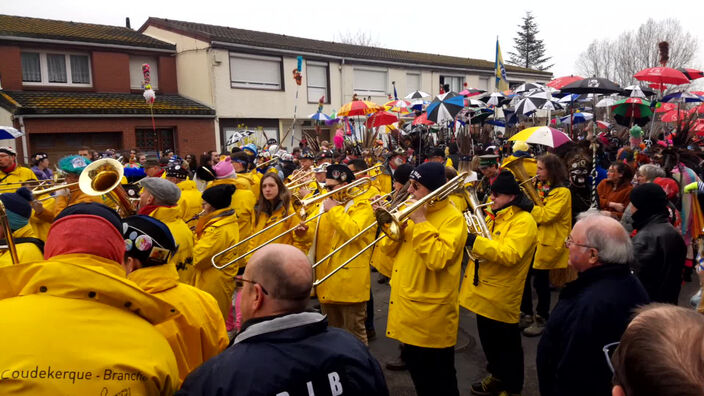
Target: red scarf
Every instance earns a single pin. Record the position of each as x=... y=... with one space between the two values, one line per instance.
x=147 y=210
x=10 y=168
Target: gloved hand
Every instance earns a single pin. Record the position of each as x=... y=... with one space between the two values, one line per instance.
x=691 y=187
x=62 y=193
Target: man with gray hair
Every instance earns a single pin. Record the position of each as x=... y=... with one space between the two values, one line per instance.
x=593 y=310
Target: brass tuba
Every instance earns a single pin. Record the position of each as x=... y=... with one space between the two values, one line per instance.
x=525 y=181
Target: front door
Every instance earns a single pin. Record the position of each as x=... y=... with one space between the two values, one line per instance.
x=149 y=140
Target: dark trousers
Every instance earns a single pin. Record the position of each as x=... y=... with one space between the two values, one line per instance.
x=369 y=322
x=501 y=343
x=432 y=370
x=541 y=282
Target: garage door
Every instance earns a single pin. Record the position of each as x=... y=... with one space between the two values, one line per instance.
x=58 y=145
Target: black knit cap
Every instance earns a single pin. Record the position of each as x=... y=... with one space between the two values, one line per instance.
x=220 y=196
x=148 y=240
x=649 y=198
x=95 y=209
x=341 y=173
x=176 y=171
x=402 y=173
x=18 y=202
x=505 y=183
x=429 y=174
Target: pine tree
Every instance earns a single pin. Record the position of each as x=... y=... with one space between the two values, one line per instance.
x=530 y=52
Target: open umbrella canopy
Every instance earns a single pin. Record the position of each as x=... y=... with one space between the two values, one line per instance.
x=645 y=90
x=665 y=107
x=422 y=120
x=577 y=118
x=682 y=97
x=8 y=132
x=674 y=116
x=495 y=99
x=417 y=95
x=632 y=107
x=662 y=75
x=467 y=92
x=318 y=116
x=445 y=107
x=359 y=108
x=527 y=87
x=542 y=135
x=691 y=74
x=606 y=102
x=398 y=106
x=592 y=85
x=560 y=82
x=380 y=118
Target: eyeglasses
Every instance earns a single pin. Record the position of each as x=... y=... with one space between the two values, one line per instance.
x=240 y=279
x=609 y=350
x=569 y=241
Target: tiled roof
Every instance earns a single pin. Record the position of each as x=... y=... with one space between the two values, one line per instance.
x=18 y=26
x=278 y=41
x=81 y=103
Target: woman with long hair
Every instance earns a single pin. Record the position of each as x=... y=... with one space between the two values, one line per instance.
x=554 y=220
x=615 y=191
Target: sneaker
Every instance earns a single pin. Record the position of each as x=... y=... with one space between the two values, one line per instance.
x=536 y=328
x=525 y=321
x=397 y=364
x=489 y=386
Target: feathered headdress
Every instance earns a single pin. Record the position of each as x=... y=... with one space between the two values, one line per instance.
x=664 y=49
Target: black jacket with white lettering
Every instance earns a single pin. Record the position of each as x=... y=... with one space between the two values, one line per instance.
x=295 y=354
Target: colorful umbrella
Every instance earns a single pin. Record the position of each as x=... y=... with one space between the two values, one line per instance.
x=646 y=91
x=673 y=116
x=318 y=116
x=665 y=107
x=560 y=82
x=632 y=107
x=381 y=118
x=527 y=87
x=603 y=125
x=592 y=85
x=467 y=92
x=8 y=132
x=699 y=109
x=422 y=120
x=662 y=75
x=359 y=108
x=445 y=107
x=417 y=95
x=542 y=135
x=577 y=118
x=682 y=97
x=398 y=106
x=691 y=74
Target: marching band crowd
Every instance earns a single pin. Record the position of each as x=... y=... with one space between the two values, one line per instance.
x=249 y=272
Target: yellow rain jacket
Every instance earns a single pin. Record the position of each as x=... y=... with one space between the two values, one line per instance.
x=243 y=202
x=198 y=333
x=247 y=181
x=384 y=182
x=20 y=174
x=172 y=216
x=554 y=221
x=27 y=252
x=63 y=201
x=40 y=226
x=264 y=221
x=74 y=325
x=190 y=199
x=215 y=233
x=425 y=278
x=504 y=263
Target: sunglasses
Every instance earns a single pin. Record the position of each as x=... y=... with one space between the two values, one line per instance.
x=240 y=280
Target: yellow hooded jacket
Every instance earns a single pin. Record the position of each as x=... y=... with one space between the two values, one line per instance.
x=215 y=233
x=63 y=201
x=243 y=202
x=425 y=270
x=182 y=260
x=554 y=221
x=190 y=199
x=27 y=252
x=504 y=263
x=102 y=339
x=198 y=333
x=264 y=221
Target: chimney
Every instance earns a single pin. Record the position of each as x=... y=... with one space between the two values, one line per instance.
x=127 y=23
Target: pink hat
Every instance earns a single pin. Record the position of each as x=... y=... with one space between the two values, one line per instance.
x=224 y=169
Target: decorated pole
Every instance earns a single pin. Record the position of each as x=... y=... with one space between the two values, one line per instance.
x=298 y=77
x=149 y=94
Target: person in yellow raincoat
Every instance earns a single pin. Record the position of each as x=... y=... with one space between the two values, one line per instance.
x=102 y=339
x=245 y=180
x=159 y=199
x=384 y=180
x=198 y=333
x=425 y=270
x=493 y=284
x=11 y=174
x=190 y=196
x=554 y=219
x=242 y=202
x=216 y=230
x=18 y=210
x=358 y=165
x=343 y=297
x=72 y=166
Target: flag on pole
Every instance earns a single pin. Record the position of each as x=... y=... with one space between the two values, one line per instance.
x=395 y=93
x=499 y=70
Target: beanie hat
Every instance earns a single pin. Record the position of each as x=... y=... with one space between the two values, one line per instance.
x=341 y=173
x=649 y=198
x=220 y=196
x=505 y=183
x=251 y=148
x=73 y=164
x=402 y=173
x=224 y=169
x=148 y=240
x=8 y=150
x=165 y=192
x=176 y=171
x=430 y=174
x=17 y=207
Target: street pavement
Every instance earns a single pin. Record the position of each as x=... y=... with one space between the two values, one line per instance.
x=469 y=358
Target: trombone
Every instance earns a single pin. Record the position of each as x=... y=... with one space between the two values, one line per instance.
x=389 y=220
x=98 y=178
x=346 y=193
x=267 y=163
x=363 y=171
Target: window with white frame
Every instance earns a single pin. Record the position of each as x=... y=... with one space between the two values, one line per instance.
x=55 y=68
x=454 y=82
x=368 y=81
x=317 y=81
x=255 y=71
x=412 y=82
x=137 y=75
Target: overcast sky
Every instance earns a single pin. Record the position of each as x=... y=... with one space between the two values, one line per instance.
x=452 y=27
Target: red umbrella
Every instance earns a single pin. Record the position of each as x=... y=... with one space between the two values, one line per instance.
x=673 y=116
x=358 y=108
x=698 y=127
x=699 y=109
x=560 y=82
x=666 y=107
x=662 y=75
x=691 y=74
x=471 y=92
x=380 y=118
x=422 y=120
x=659 y=87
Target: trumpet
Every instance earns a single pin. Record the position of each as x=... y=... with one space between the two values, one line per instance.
x=300 y=207
x=390 y=219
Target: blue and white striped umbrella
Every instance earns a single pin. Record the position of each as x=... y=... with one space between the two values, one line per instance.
x=319 y=117
x=445 y=107
x=8 y=132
